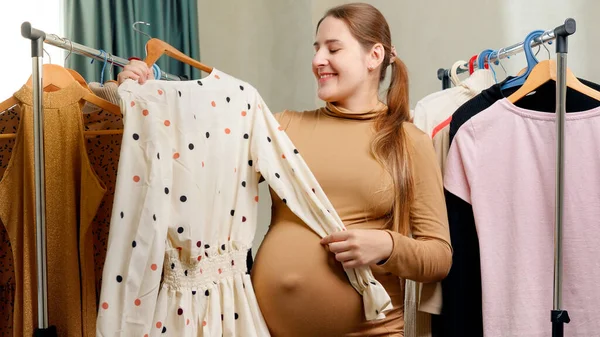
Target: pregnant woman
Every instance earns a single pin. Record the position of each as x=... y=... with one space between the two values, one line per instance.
x=381 y=175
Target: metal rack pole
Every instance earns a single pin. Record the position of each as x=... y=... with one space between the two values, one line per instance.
x=444 y=76
x=559 y=316
x=80 y=49
x=503 y=53
x=37 y=44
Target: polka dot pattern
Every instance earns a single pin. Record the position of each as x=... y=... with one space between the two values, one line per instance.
x=209 y=133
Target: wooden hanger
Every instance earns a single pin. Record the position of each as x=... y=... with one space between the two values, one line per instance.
x=56 y=78
x=156 y=48
x=79 y=79
x=546 y=71
x=9 y=103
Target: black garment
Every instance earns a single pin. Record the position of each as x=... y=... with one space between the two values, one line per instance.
x=461 y=290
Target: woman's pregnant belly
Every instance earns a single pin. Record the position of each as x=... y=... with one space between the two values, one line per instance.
x=301 y=290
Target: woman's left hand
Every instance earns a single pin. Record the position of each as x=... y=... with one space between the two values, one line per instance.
x=359 y=247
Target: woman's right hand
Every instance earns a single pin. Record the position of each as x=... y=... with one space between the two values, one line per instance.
x=136 y=70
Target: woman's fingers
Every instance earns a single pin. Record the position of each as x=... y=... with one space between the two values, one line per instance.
x=344 y=257
x=136 y=70
x=338 y=247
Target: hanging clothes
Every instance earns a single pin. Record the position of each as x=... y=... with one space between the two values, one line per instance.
x=462 y=288
x=434 y=109
x=186 y=209
x=432 y=114
x=73 y=192
x=103 y=152
x=510 y=185
x=9 y=122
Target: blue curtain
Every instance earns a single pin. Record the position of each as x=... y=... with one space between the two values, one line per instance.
x=107 y=25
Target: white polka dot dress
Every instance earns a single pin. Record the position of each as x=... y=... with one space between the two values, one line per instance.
x=186 y=206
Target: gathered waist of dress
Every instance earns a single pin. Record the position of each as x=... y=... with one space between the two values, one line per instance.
x=203 y=271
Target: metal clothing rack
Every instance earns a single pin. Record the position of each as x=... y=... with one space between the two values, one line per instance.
x=550 y=35
x=37 y=54
x=558 y=316
x=38 y=38
x=97 y=54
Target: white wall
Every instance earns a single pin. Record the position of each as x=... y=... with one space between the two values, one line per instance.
x=15 y=57
x=269 y=42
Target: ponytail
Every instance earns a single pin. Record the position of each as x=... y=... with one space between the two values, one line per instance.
x=390 y=145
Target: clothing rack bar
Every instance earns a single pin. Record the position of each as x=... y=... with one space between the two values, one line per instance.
x=502 y=53
x=97 y=54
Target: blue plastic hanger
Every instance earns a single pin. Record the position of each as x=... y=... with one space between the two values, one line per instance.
x=481 y=59
x=531 y=61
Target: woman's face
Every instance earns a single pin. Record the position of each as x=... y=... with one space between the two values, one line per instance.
x=340 y=62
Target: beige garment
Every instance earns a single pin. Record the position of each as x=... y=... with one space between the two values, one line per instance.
x=107 y=91
x=73 y=193
x=301 y=289
x=441 y=144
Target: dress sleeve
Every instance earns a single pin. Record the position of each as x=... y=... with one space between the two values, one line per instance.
x=427 y=256
x=283 y=168
x=139 y=221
